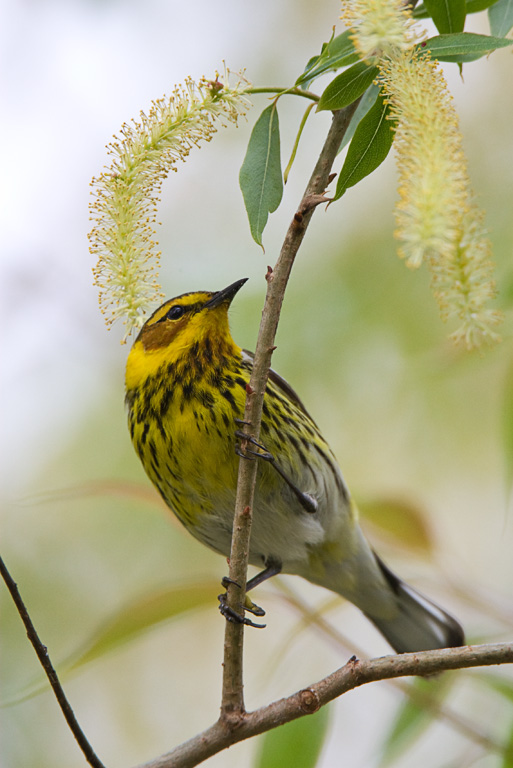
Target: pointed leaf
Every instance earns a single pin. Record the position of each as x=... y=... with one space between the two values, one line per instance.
x=504 y=687
x=415 y=715
x=463 y=46
x=127 y=624
x=448 y=15
x=142 y=614
x=500 y=16
x=348 y=86
x=473 y=6
x=297 y=743
x=500 y=685
x=339 y=52
x=366 y=102
x=260 y=177
x=305 y=78
x=370 y=145
x=507 y=754
x=399 y=520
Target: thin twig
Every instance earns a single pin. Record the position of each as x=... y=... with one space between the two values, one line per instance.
x=307 y=701
x=232 y=704
x=286 y=91
x=42 y=654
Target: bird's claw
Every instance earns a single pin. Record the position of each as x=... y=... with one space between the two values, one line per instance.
x=225 y=581
x=253 y=608
x=236 y=618
x=261 y=453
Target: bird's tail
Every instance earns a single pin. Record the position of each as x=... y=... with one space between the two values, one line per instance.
x=419 y=624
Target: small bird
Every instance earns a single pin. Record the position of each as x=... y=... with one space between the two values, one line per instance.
x=185 y=391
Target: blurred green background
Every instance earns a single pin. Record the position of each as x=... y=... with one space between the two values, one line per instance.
x=423 y=432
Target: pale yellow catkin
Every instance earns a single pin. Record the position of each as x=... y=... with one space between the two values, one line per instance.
x=437 y=218
x=125 y=195
x=379 y=27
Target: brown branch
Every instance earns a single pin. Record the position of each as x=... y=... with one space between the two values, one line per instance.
x=42 y=655
x=354 y=674
x=424 y=699
x=230 y=730
x=232 y=705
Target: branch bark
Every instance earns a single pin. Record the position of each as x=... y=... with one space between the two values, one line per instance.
x=232 y=704
x=44 y=659
x=307 y=701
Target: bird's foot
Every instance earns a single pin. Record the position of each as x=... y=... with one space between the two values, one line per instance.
x=307 y=501
x=232 y=615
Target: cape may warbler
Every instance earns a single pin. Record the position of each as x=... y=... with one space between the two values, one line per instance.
x=185 y=390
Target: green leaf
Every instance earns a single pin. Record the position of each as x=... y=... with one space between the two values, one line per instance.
x=366 y=102
x=473 y=6
x=448 y=15
x=500 y=16
x=260 y=176
x=142 y=614
x=369 y=147
x=500 y=685
x=415 y=715
x=463 y=46
x=507 y=754
x=348 y=86
x=304 y=80
x=420 y=12
x=297 y=743
x=127 y=624
x=339 y=52
x=504 y=687
x=400 y=521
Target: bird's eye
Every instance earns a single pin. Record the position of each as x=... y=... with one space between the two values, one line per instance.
x=175 y=312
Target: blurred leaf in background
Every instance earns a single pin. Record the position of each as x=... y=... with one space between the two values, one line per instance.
x=298 y=743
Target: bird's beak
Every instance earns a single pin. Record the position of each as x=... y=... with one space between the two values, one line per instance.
x=226 y=295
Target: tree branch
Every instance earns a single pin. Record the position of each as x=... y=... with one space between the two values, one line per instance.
x=42 y=655
x=232 y=704
x=307 y=701
x=228 y=731
x=427 y=700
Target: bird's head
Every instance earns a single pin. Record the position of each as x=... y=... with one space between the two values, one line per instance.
x=190 y=325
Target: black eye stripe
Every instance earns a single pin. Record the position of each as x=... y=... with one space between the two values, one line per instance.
x=176 y=311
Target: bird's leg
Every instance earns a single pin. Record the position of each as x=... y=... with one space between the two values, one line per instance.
x=249 y=605
x=307 y=501
x=272 y=568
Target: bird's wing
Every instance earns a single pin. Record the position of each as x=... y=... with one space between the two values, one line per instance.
x=282 y=385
